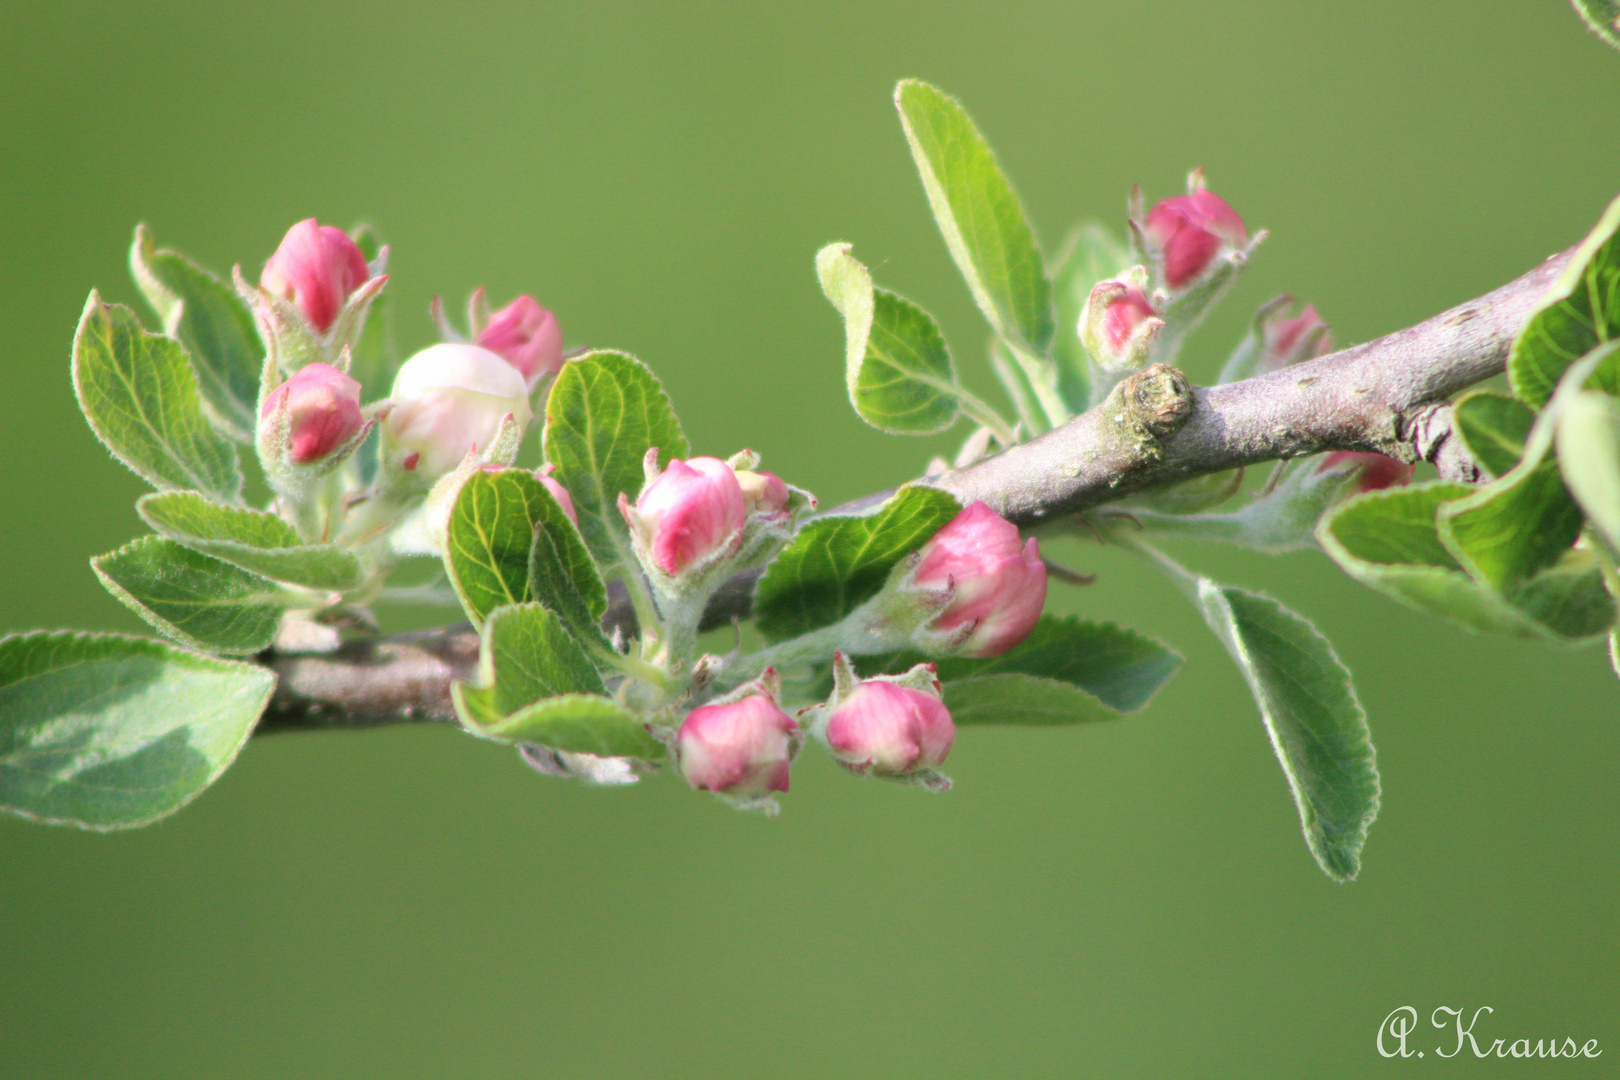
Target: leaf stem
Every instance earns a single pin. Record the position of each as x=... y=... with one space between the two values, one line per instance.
x=986 y=414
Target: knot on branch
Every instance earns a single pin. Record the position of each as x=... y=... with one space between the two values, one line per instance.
x=1151 y=405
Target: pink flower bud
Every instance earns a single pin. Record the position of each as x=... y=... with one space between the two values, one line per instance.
x=1118 y=326
x=890 y=730
x=449 y=399
x=1000 y=583
x=1289 y=341
x=323 y=411
x=316 y=267
x=526 y=335
x=1190 y=231
x=558 y=492
x=763 y=492
x=693 y=510
x=1377 y=471
x=1123 y=314
x=741 y=749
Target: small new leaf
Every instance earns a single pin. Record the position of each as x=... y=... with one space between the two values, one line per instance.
x=1581 y=312
x=1068 y=671
x=537 y=685
x=1120 y=668
x=139 y=393
x=251 y=539
x=207 y=316
x=574 y=723
x=194 y=598
x=1317 y=727
x=604 y=412
x=1512 y=528
x=109 y=732
x=527 y=654
x=835 y=564
x=897 y=367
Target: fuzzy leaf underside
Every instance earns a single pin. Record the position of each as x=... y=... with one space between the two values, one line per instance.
x=1317 y=726
x=140 y=395
x=109 y=732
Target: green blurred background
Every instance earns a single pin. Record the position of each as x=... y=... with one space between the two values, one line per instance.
x=1132 y=901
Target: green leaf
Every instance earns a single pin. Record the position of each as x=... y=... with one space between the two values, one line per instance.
x=194 y=598
x=526 y=653
x=1317 y=726
x=1389 y=540
x=1022 y=700
x=897 y=366
x=835 y=564
x=577 y=723
x=1067 y=671
x=1119 y=667
x=1494 y=427
x=558 y=563
x=1511 y=529
x=251 y=539
x=1603 y=16
x=1568 y=598
x=605 y=411
x=110 y=732
x=139 y=393
x=1091 y=254
x=205 y=315
x=492 y=537
x=983 y=225
x=1582 y=311
x=537 y=685
x=1588 y=439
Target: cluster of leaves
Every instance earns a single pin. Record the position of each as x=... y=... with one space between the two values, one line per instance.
x=1532 y=552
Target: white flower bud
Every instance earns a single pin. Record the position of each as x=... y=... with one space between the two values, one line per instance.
x=448 y=399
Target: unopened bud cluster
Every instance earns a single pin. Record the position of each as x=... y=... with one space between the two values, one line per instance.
x=1192 y=246
x=451 y=405
x=974 y=589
